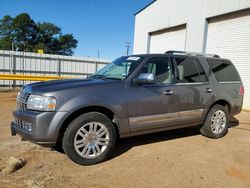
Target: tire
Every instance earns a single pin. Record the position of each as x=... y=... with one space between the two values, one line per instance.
x=89 y=139
x=216 y=123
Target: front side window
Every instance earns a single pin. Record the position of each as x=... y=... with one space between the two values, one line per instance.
x=223 y=70
x=120 y=68
x=161 y=68
x=189 y=70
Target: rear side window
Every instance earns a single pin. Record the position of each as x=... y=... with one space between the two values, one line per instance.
x=223 y=70
x=189 y=70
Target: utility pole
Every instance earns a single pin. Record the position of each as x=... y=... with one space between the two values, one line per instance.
x=127 y=47
x=98 y=54
x=12 y=46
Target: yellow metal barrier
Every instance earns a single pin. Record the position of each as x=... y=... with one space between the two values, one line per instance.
x=30 y=77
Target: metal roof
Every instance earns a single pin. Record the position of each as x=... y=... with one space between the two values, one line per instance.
x=144 y=7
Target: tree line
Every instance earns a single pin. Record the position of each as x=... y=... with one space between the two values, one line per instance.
x=24 y=34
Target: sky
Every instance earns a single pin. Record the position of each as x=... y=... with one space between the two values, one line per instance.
x=104 y=25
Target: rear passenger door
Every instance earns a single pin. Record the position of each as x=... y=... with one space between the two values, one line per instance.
x=195 y=91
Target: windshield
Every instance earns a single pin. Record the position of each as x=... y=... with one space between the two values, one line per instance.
x=119 y=69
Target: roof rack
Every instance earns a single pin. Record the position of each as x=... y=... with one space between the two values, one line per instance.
x=190 y=53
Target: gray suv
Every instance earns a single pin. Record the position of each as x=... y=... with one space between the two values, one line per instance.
x=133 y=95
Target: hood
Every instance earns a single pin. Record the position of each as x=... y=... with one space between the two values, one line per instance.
x=57 y=85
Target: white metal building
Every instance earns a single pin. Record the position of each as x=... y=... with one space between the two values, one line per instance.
x=209 y=26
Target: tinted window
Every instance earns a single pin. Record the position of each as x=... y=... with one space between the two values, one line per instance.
x=189 y=71
x=223 y=71
x=203 y=76
x=161 y=68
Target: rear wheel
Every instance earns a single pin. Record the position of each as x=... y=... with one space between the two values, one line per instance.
x=89 y=139
x=216 y=123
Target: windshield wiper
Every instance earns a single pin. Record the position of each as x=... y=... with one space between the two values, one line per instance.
x=98 y=76
x=113 y=78
x=104 y=77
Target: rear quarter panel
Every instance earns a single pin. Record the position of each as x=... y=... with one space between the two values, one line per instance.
x=227 y=91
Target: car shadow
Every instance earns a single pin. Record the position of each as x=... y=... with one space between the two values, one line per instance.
x=125 y=144
x=233 y=122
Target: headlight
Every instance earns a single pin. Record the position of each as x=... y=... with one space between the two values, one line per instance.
x=41 y=103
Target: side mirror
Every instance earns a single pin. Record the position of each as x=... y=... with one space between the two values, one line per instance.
x=145 y=78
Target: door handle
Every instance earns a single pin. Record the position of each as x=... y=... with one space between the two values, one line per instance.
x=168 y=92
x=209 y=90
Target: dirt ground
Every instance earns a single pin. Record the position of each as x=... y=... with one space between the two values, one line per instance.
x=179 y=158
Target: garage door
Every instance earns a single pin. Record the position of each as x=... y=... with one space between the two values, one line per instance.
x=230 y=38
x=169 y=39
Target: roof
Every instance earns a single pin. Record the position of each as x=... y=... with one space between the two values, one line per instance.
x=144 y=7
x=178 y=54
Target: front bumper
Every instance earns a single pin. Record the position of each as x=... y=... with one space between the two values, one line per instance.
x=38 y=127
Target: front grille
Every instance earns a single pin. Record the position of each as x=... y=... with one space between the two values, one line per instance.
x=22 y=100
x=24 y=125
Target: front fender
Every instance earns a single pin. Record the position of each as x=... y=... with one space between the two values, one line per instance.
x=80 y=102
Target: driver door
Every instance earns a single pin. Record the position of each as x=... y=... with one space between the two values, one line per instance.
x=153 y=106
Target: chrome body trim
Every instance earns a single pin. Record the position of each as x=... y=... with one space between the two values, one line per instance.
x=230 y=82
x=194 y=83
x=191 y=114
x=153 y=119
x=165 y=118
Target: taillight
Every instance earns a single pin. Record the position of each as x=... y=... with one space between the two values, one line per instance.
x=242 y=91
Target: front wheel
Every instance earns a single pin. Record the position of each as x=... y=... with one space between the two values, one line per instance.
x=216 y=123
x=89 y=139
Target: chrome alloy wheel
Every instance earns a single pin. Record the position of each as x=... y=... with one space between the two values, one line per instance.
x=91 y=140
x=218 y=121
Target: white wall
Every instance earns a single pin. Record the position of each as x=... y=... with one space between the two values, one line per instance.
x=164 y=14
x=173 y=39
